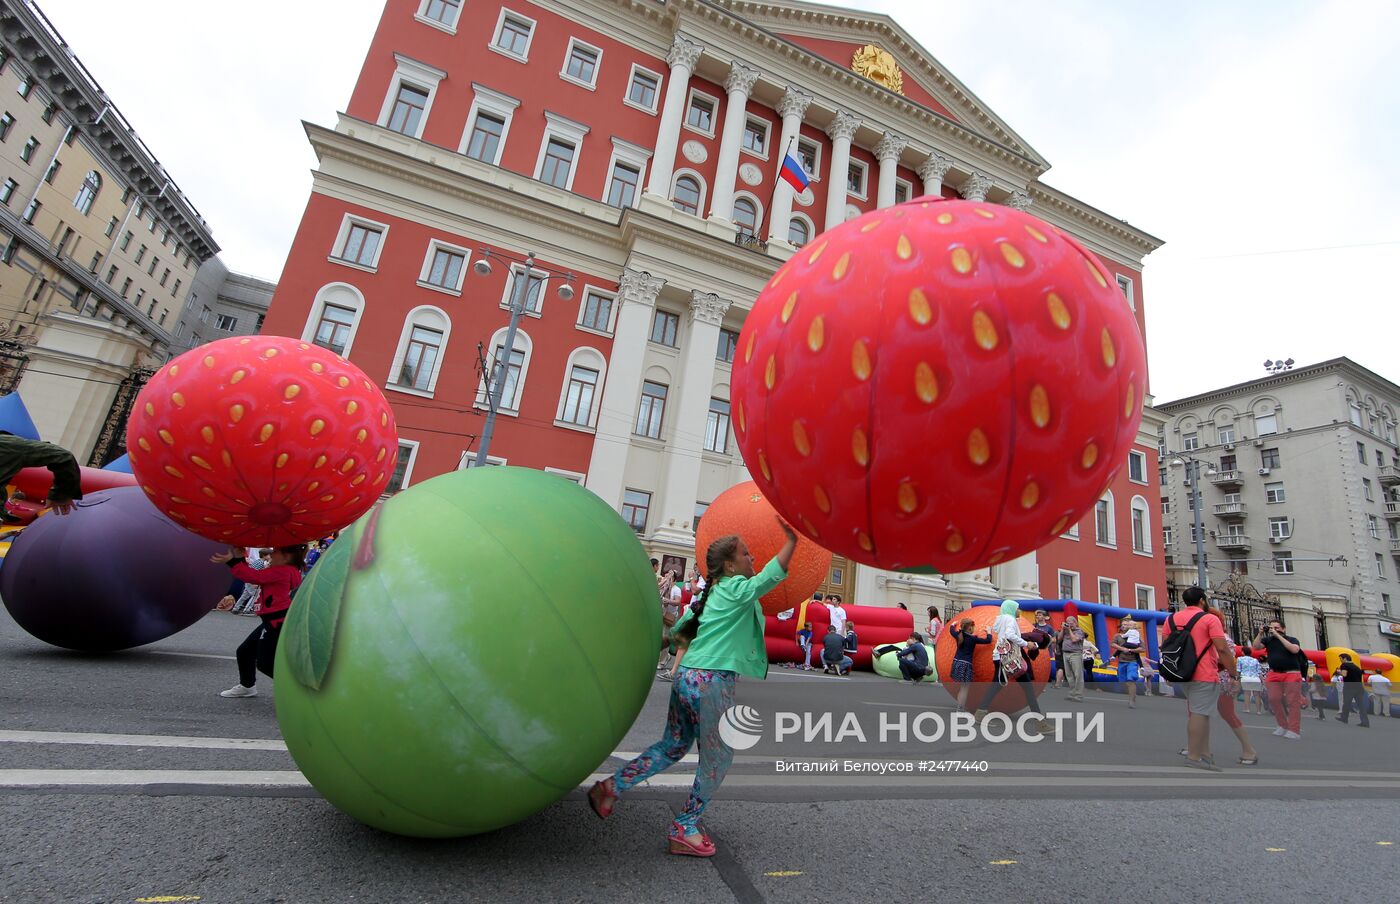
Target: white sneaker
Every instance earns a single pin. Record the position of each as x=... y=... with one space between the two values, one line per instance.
x=1279 y=732
x=1292 y=735
x=239 y=690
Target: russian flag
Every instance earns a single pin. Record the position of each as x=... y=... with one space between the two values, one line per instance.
x=793 y=174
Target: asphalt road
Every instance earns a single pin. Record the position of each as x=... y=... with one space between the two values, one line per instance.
x=125 y=778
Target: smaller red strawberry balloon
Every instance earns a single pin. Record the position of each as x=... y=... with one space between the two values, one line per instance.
x=941 y=383
x=262 y=441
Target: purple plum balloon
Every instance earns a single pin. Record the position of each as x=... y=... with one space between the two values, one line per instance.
x=114 y=573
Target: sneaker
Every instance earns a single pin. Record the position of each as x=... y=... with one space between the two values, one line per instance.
x=1292 y=735
x=1279 y=732
x=239 y=690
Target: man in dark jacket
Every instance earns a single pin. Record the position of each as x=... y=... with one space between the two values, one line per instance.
x=18 y=453
x=1353 y=691
x=913 y=659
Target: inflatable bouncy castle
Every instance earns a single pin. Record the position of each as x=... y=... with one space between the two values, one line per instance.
x=875 y=626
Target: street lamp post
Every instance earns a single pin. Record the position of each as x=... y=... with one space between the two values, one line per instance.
x=1179 y=460
x=500 y=368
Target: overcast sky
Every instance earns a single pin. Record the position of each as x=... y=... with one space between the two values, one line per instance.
x=1258 y=139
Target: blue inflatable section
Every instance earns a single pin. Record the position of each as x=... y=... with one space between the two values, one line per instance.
x=1100 y=614
x=14 y=417
x=122 y=464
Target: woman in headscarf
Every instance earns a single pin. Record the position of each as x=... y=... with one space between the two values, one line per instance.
x=1012 y=645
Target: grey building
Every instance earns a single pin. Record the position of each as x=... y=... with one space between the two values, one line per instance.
x=1300 y=499
x=221 y=303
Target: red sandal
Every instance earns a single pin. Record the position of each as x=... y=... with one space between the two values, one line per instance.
x=602 y=797
x=696 y=845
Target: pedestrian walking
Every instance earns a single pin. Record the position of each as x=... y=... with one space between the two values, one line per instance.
x=966 y=644
x=279 y=580
x=1126 y=647
x=1252 y=683
x=1380 y=692
x=1207 y=640
x=728 y=643
x=1353 y=691
x=1013 y=654
x=1317 y=690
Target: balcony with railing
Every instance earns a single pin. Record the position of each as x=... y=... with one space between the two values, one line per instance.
x=1231 y=511
x=1231 y=478
x=1232 y=542
x=1395 y=546
x=1389 y=475
x=1392 y=510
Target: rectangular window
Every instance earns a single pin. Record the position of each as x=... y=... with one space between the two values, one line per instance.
x=1380 y=566
x=717 y=426
x=444 y=11
x=408 y=109
x=151 y=270
x=50 y=111
x=445 y=271
x=1125 y=285
x=1366 y=489
x=700 y=115
x=485 y=141
x=126 y=241
x=855 y=178
x=1190 y=442
x=361 y=245
x=1103 y=523
x=557 y=164
x=6 y=123
x=7 y=191
x=513 y=35
x=642 y=90
x=1108 y=592
x=111 y=227
x=401 y=468
x=52 y=171
x=96 y=262
x=901 y=191
x=578 y=397
x=1140 y=531
x=140 y=255
x=175 y=289
x=1280 y=528
x=126 y=286
x=1361 y=452
x=728 y=345
x=420 y=357
x=597 y=312
x=1069 y=585
x=756 y=136
x=622 y=187
x=1265 y=425
x=700 y=508
x=1072 y=533
x=140 y=294
x=1144 y=598
x=26 y=84
x=164 y=276
x=1137 y=467
x=1373 y=525
x=1273 y=492
x=1380 y=459
x=111 y=274
x=1268 y=458
x=333 y=332
x=30 y=147
x=1228 y=463
x=664 y=328
x=1283 y=563
x=510 y=392
x=581 y=65
x=652 y=409
x=1166 y=505
x=1225 y=434
x=1167 y=538
x=204 y=314
x=635 y=505
x=809 y=152
x=31 y=211
x=227 y=322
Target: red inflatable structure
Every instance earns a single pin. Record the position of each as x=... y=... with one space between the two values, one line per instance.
x=875 y=625
x=36 y=482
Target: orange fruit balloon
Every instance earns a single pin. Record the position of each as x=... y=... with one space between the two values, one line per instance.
x=983 y=669
x=742 y=510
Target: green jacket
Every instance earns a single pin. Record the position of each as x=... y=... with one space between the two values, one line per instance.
x=18 y=453
x=730 y=636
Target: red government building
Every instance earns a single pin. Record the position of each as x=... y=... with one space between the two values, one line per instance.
x=635 y=146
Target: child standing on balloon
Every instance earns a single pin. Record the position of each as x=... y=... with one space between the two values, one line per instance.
x=728 y=623
x=277 y=582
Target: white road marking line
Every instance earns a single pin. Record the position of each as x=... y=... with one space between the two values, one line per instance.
x=131 y=740
x=29 y=778
x=193 y=655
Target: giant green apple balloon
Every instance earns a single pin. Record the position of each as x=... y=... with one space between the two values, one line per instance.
x=468 y=652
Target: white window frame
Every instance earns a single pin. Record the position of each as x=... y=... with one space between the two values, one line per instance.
x=1283 y=493
x=1098 y=591
x=1112 y=541
x=714 y=118
x=597 y=64
x=1258 y=431
x=864 y=194
x=704 y=191
x=567 y=130
x=1125 y=285
x=1141 y=456
x=435 y=245
x=767 y=137
x=523 y=344
x=1151 y=597
x=408 y=468
x=1287 y=525
x=583 y=306
x=496 y=103
x=450 y=28
x=1071 y=532
x=1190 y=442
x=1059 y=579
x=632 y=154
x=627 y=90
x=760 y=213
x=496 y=35
x=816 y=156
x=401 y=351
x=468 y=460
x=1283 y=557
x=338 y=246
x=1220 y=435
x=571 y=476
x=590 y=357
x=811 y=227
x=515 y=270
x=1139 y=504
x=419 y=75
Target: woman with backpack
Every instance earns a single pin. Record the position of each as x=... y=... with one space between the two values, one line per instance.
x=1011 y=659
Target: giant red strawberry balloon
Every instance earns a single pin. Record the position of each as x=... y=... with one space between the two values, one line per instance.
x=942 y=383
x=262 y=441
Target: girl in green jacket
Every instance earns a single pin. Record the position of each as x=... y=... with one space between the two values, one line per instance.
x=727 y=622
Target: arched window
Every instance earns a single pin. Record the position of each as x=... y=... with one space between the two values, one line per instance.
x=418 y=360
x=92 y=184
x=746 y=216
x=334 y=318
x=1142 y=525
x=799 y=233
x=1105 y=529
x=687 y=195
x=582 y=392
x=516 y=370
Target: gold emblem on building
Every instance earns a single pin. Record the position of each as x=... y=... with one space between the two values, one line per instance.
x=879 y=66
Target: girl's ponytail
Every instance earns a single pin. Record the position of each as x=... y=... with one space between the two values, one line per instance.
x=720 y=552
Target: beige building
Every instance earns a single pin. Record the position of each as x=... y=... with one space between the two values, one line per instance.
x=1300 y=498
x=100 y=247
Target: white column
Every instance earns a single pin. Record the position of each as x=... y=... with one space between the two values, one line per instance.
x=637 y=293
x=975 y=187
x=684 y=53
x=841 y=131
x=738 y=85
x=1018 y=579
x=932 y=171
x=687 y=421
x=1020 y=199
x=792 y=108
x=971 y=586
x=887 y=151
